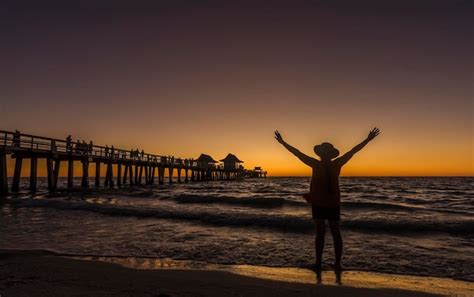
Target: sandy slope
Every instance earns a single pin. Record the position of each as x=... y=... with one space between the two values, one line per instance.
x=42 y=274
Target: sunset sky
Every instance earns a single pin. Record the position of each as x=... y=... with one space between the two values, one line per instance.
x=189 y=77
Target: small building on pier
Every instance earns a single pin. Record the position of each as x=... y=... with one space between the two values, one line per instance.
x=205 y=162
x=231 y=163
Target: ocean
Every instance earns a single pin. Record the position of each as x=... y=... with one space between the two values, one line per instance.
x=404 y=225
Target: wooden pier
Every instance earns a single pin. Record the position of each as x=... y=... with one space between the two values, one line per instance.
x=132 y=167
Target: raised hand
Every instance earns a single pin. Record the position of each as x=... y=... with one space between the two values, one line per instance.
x=278 y=137
x=373 y=133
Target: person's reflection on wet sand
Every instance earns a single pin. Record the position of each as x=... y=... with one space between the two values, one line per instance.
x=319 y=278
x=338 y=274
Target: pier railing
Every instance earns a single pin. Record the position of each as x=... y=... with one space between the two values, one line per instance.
x=41 y=144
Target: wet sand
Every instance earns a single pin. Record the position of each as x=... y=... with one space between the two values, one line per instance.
x=25 y=273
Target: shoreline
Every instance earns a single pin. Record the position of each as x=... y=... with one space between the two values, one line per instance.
x=24 y=272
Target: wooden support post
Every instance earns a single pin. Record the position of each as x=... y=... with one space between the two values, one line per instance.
x=179 y=174
x=107 y=176
x=193 y=178
x=147 y=173
x=130 y=171
x=150 y=171
x=70 y=173
x=49 y=169
x=152 y=177
x=17 y=174
x=161 y=170
x=119 y=175
x=3 y=175
x=33 y=174
x=57 y=165
x=110 y=169
x=125 y=174
x=150 y=167
x=170 y=174
x=140 y=175
x=85 y=173
x=97 y=174
x=136 y=174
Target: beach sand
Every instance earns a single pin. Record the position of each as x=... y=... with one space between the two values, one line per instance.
x=30 y=273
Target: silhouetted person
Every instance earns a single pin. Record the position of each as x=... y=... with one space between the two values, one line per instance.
x=16 y=138
x=68 y=143
x=84 y=147
x=78 y=146
x=324 y=192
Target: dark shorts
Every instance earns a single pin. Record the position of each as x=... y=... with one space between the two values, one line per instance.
x=327 y=213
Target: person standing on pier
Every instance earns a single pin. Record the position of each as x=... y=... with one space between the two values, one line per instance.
x=77 y=146
x=68 y=143
x=16 y=138
x=324 y=192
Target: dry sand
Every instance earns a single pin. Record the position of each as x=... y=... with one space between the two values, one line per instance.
x=44 y=274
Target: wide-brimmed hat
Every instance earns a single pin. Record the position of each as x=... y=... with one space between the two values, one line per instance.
x=326 y=150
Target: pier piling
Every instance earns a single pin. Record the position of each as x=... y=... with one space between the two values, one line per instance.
x=170 y=174
x=85 y=174
x=147 y=174
x=57 y=166
x=33 y=174
x=130 y=171
x=140 y=175
x=125 y=174
x=153 y=168
x=50 y=173
x=3 y=175
x=70 y=173
x=17 y=174
x=97 y=174
x=119 y=174
x=136 y=175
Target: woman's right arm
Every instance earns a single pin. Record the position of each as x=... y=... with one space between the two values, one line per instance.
x=304 y=158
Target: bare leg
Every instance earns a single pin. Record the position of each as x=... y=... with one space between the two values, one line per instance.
x=337 y=238
x=319 y=241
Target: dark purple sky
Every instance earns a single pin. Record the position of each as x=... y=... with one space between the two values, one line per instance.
x=183 y=77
